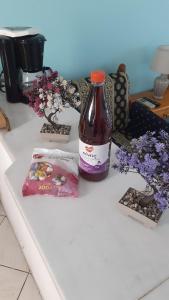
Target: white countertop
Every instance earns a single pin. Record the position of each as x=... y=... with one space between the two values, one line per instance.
x=17 y=113
x=90 y=249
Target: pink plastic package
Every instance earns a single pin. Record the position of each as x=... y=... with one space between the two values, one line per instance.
x=52 y=172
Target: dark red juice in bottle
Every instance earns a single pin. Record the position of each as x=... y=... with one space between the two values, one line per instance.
x=95 y=130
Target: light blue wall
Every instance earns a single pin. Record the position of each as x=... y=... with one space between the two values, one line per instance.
x=86 y=34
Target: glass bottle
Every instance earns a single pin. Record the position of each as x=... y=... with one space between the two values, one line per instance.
x=95 y=130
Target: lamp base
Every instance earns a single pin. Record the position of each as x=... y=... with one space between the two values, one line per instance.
x=160 y=85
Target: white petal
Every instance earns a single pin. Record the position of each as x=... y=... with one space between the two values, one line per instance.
x=41 y=96
x=49 y=97
x=49 y=104
x=64 y=82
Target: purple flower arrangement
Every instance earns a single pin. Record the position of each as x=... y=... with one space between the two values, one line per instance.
x=51 y=95
x=149 y=156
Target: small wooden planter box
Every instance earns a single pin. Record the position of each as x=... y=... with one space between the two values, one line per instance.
x=148 y=215
x=61 y=133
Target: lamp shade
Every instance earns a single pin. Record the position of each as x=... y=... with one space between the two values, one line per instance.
x=161 y=60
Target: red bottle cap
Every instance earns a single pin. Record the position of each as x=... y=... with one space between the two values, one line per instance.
x=97 y=76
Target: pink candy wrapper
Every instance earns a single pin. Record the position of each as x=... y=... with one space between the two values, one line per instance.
x=52 y=172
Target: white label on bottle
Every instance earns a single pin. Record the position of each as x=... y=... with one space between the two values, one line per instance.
x=94 y=159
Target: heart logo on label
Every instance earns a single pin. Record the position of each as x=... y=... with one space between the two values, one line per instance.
x=89 y=148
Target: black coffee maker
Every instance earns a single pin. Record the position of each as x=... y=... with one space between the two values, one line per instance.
x=21 y=51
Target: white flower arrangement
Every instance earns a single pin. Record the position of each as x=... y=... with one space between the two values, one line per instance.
x=52 y=95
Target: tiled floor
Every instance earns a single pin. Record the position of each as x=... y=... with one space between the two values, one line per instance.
x=16 y=281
